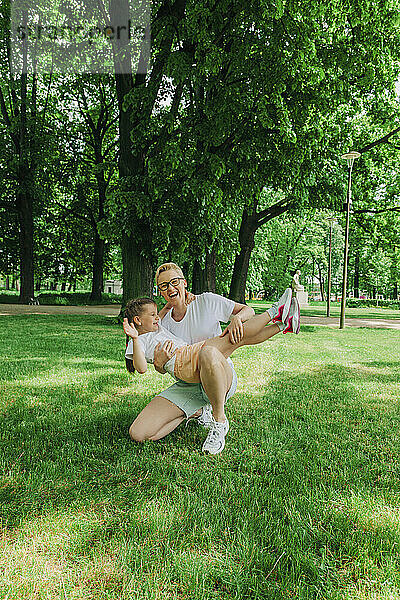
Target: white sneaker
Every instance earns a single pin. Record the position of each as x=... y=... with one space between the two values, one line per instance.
x=215 y=440
x=292 y=323
x=206 y=418
x=280 y=310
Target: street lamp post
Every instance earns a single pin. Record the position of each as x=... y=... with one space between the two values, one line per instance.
x=350 y=157
x=328 y=299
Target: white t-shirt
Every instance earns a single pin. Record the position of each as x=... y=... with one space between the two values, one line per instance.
x=201 y=321
x=148 y=342
x=202 y=318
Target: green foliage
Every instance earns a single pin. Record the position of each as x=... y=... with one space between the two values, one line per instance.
x=76 y=298
x=223 y=126
x=8 y=297
x=296 y=241
x=239 y=98
x=358 y=303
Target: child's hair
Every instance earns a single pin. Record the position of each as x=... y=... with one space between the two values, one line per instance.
x=134 y=308
x=174 y=267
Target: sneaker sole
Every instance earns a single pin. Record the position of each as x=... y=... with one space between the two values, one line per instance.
x=297 y=329
x=284 y=308
x=294 y=318
x=214 y=452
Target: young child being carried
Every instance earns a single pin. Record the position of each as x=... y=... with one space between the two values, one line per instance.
x=141 y=325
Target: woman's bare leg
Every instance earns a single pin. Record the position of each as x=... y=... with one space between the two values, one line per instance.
x=216 y=378
x=156 y=420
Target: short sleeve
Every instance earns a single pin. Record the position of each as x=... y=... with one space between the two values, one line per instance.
x=129 y=348
x=219 y=306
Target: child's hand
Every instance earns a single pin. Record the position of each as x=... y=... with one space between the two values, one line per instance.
x=189 y=298
x=130 y=329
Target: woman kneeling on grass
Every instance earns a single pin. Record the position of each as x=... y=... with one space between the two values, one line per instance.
x=142 y=326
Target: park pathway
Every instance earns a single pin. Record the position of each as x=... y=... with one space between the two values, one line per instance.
x=112 y=310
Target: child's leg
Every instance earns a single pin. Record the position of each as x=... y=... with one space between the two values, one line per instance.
x=254 y=332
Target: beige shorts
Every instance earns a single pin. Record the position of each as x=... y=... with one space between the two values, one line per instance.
x=187 y=363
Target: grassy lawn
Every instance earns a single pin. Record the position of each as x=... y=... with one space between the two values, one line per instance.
x=303 y=503
x=319 y=310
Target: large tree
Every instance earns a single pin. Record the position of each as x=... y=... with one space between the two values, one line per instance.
x=253 y=92
x=88 y=154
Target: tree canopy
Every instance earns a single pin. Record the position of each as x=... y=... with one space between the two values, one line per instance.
x=239 y=120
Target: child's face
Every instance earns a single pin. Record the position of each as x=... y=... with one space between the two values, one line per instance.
x=148 y=318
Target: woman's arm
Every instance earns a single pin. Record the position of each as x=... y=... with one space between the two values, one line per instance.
x=243 y=311
x=164 y=310
x=240 y=314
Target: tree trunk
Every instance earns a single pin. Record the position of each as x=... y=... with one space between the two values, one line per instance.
x=237 y=291
x=357 y=274
x=251 y=221
x=198 y=278
x=321 y=283
x=98 y=268
x=247 y=233
x=24 y=204
x=137 y=267
x=204 y=279
x=395 y=291
x=137 y=271
x=7 y=282
x=211 y=270
x=38 y=285
x=186 y=272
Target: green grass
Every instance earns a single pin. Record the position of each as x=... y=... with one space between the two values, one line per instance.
x=318 y=309
x=303 y=503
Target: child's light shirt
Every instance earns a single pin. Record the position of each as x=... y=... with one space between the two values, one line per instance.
x=148 y=342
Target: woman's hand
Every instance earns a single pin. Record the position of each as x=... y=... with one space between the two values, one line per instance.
x=234 y=330
x=162 y=354
x=130 y=329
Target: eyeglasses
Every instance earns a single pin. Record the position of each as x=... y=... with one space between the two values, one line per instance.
x=165 y=284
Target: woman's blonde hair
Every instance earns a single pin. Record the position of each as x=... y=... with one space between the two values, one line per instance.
x=173 y=266
x=168 y=267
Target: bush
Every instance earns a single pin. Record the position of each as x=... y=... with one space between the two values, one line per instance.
x=9 y=297
x=62 y=298
x=370 y=303
x=75 y=298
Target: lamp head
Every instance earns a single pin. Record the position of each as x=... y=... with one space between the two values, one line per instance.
x=350 y=157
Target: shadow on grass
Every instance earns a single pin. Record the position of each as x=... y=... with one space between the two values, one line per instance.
x=304 y=460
